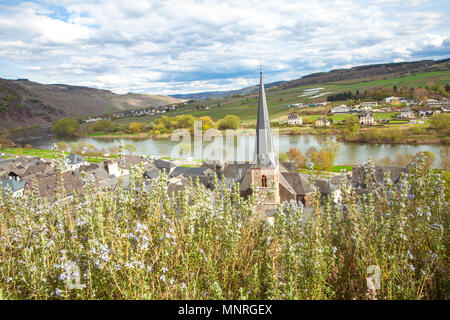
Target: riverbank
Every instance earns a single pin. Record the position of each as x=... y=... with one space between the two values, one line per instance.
x=47 y=154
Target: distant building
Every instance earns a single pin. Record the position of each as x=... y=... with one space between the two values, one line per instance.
x=369 y=104
x=407 y=113
x=366 y=118
x=427 y=112
x=322 y=122
x=75 y=161
x=392 y=100
x=16 y=187
x=294 y=119
x=340 y=109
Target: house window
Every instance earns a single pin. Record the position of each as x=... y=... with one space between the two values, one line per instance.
x=264 y=181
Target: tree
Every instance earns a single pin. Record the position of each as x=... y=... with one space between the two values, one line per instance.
x=352 y=125
x=206 y=122
x=68 y=127
x=310 y=152
x=136 y=127
x=331 y=146
x=297 y=157
x=102 y=126
x=323 y=160
x=229 y=122
x=441 y=123
x=445 y=158
x=28 y=146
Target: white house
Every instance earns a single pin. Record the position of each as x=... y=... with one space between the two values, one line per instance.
x=75 y=161
x=340 y=109
x=16 y=187
x=369 y=104
x=294 y=119
x=366 y=118
x=321 y=122
x=407 y=113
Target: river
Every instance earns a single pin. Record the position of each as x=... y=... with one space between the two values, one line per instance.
x=350 y=153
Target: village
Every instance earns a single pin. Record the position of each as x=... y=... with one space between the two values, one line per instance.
x=409 y=110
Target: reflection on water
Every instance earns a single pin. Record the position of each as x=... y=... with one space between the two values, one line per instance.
x=350 y=153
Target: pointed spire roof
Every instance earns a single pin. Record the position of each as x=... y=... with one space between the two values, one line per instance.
x=264 y=147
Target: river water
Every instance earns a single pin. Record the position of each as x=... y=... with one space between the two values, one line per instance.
x=240 y=148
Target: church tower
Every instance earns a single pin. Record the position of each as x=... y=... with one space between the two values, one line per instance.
x=265 y=170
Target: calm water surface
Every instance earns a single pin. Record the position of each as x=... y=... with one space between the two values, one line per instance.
x=350 y=153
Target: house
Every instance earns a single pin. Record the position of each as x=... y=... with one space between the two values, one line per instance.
x=16 y=187
x=189 y=172
x=163 y=165
x=340 y=109
x=392 y=100
x=369 y=104
x=395 y=174
x=294 y=119
x=426 y=112
x=407 y=113
x=366 y=118
x=321 y=122
x=75 y=161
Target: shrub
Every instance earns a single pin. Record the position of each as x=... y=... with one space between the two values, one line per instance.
x=142 y=244
x=66 y=127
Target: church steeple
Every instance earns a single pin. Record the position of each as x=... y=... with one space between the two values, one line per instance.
x=264 y=148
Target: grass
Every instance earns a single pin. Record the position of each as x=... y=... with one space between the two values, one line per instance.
x=46 y=154
x=245 y=107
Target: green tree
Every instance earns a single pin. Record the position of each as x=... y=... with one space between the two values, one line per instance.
x=102 y=126
x=229 y=122
x=207 y=122
x=69 y=127
x=441 y=123
x=136 y=127
x=352 y=125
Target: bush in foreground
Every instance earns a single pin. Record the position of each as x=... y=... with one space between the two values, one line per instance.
x=137 y=244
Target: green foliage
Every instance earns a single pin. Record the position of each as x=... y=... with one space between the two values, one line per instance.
x=229 y=122
x=441 y=123
x=142 y=244
x=102 y=126
x=68 y=127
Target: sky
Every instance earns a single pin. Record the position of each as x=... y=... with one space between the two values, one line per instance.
x=186 y=46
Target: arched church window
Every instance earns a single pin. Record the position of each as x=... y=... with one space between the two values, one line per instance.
x=264 y=181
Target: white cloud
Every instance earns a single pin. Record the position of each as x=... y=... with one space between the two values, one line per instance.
x=165 y=47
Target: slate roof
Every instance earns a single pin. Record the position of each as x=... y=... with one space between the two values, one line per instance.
x=264 y=147
x=162 y=164
x=297 y=181
x=13 y=185
x=326 y=187
x=75 y=159
x=395 y=174
x=151 y=174
x=191 y=171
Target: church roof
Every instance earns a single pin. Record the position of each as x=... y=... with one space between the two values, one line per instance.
x=264 y=148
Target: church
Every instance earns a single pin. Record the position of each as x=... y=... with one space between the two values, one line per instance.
x=276 y=181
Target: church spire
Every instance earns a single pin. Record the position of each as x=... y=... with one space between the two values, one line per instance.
x=264 y=148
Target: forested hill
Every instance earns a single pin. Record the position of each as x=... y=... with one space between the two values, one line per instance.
x=370 y=72
x=24 y=102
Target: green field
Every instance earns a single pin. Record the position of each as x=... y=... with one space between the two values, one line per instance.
x=40 y=153
x=245 y=107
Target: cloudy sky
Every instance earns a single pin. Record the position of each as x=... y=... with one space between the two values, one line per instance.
x=184 y=46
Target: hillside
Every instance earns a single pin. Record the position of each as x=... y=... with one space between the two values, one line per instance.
x=279 y=99
x=24 y=102
x=371 y=72
x=224 y=94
